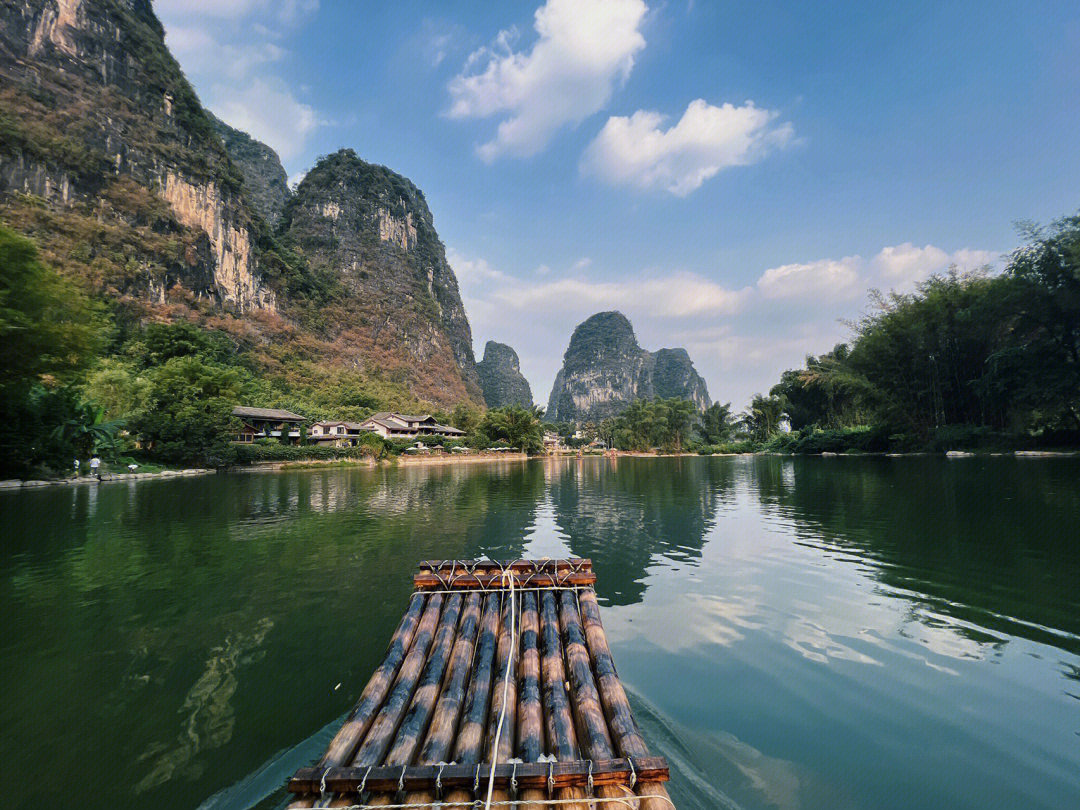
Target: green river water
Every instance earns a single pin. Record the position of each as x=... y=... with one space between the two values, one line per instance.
x=795 y=633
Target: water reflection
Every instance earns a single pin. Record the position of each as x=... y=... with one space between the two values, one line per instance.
x=799 y=633
x=626 y=514
x=986 y=548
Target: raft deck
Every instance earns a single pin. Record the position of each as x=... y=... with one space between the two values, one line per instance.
x=498 y=679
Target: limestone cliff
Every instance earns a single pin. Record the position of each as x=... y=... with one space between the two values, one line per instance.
x=674 y=375
x=371 y=230
x=130 y=188
x=604 y=370
x=501 y=378
x=265 y=179
x=91 y=98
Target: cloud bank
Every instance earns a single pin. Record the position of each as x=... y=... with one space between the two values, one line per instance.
x=583 y=51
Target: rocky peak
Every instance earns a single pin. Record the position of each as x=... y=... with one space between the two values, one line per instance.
x=372 y=230
x=265 y=180
x=91 y=100
x=501 y=378
x=674 y=375
x=604 y=370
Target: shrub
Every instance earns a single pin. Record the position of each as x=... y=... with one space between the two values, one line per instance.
x=250 y=453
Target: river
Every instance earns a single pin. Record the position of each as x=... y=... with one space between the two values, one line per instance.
x=795 y=633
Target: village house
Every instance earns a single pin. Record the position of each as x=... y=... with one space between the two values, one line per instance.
x=336 y=434
x=392 y=425
x=267 y=423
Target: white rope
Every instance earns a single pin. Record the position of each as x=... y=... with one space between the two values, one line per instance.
x=507 y=576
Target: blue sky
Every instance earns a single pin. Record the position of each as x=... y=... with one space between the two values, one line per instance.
x=734 y=176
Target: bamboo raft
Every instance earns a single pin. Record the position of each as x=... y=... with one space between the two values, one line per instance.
x=497 y=689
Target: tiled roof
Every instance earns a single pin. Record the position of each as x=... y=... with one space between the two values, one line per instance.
x=267 y=413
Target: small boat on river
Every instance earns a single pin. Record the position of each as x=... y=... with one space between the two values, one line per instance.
x=498 y=689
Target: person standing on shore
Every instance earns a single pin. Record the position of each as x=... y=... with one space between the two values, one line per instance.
x=75 y=464
x=95 y=467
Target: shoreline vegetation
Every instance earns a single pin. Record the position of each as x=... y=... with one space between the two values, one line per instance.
x=493 y=458
x=966 y=363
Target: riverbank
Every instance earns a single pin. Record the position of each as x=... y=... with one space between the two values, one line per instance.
x=432 y=460
x=106 y=478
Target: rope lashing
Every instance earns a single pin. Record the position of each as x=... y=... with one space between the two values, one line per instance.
x=633 y=773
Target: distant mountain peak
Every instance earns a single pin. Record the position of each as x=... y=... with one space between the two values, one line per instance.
x=501 y=378
x=605 y=369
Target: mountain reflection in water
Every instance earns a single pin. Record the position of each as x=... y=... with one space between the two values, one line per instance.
x=796 y=633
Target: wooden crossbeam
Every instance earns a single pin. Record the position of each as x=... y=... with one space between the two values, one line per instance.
x=539 y=775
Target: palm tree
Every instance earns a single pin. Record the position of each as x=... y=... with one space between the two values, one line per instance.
x=87 y=430
x=762 y=419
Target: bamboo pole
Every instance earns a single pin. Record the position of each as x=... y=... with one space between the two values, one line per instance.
x=505 y=667
x=562 y=738
x=596 y=739
x=471 y=732
x=414 y=724
x=625 y=732
x=381 y=734
x=350 y=734
x=530 y=724
x=440 y=735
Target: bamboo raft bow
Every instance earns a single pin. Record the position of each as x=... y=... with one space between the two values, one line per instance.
x=497 y=690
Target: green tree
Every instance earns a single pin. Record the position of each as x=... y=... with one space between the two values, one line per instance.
x=762 y=419
x=118 y=387
x=465 y=416
x=189 y=415
x=47 y=324
x=49 y=332
x=717 y=423
x=679 y=416
x=1040 y=365
x=88 y=432
x=518 y=427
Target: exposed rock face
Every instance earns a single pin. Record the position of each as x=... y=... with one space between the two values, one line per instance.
x=501 y=379
x=89 y=96
x=110 y=163
x=604 y=370
x=674 y=375
x=371 y=229
x=265 y=181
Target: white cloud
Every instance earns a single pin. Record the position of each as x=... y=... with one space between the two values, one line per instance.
x=269 y=112
x=472 y=272
x=897 y=267
x=635 y=151
x=901 y=265
x=826 y=278
x=585 y=48
x=672 y=296
x=230 y=51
